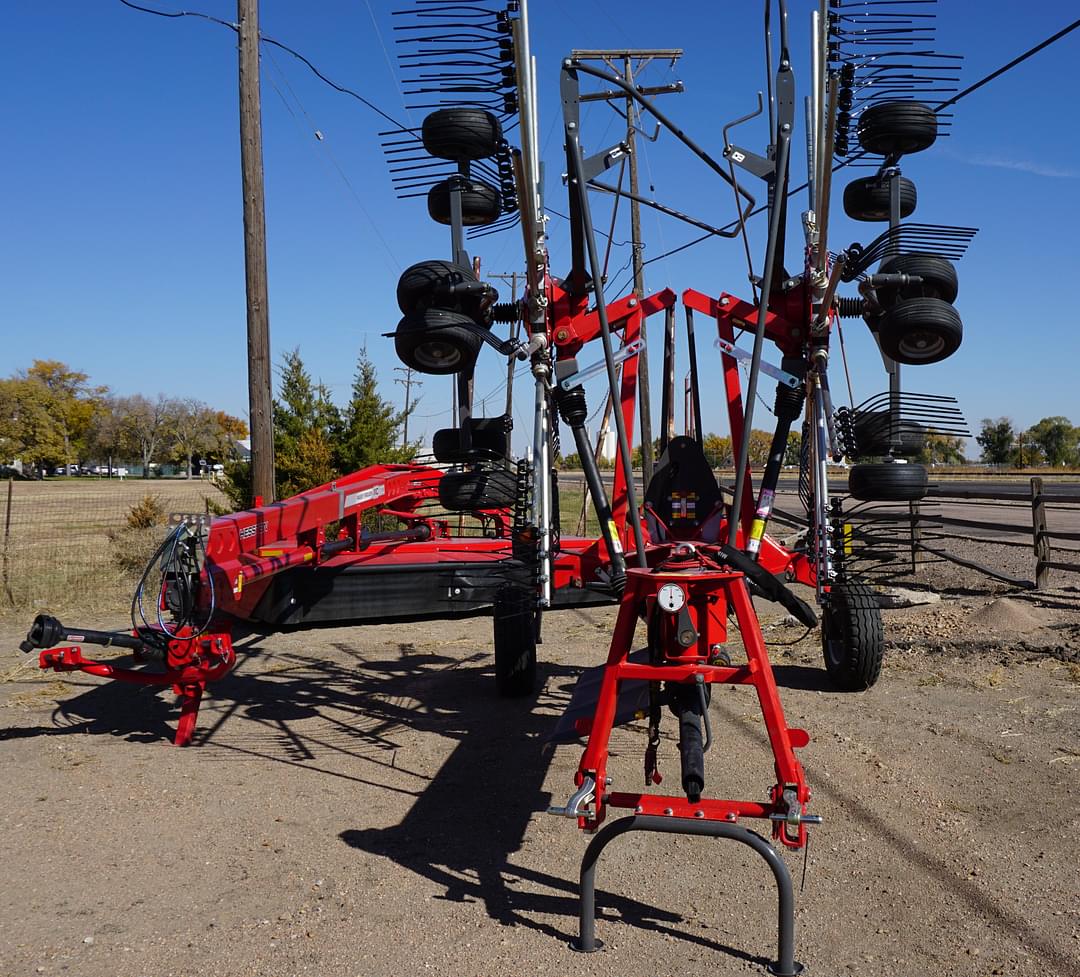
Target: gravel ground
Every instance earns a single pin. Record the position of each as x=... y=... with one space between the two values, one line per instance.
x=359 y=803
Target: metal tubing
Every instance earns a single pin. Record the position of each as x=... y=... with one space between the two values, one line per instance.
x=601 y=504
x=573 y=146
x=542 y=488
x=695 y=390
x=783 y=149
x=821 y=487
x=785 y=965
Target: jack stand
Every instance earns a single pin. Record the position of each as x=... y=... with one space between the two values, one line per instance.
x=785 y=964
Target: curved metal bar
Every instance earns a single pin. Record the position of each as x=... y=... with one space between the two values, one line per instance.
x=785 y=965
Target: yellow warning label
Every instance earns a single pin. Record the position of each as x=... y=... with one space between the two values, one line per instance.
x=757 y=529
x=847 y=539
x=615 y=544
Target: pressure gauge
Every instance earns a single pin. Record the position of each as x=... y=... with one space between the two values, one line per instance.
x=671 y=598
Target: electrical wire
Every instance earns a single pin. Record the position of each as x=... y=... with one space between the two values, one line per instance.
x=848 y=161
x=276 y=43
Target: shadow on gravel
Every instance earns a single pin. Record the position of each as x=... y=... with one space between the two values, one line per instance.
x=474 y=814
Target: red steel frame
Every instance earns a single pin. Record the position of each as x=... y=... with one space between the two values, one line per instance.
x=710 y=591
x=246 y=549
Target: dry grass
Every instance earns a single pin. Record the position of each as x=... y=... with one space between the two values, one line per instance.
x=71 y=547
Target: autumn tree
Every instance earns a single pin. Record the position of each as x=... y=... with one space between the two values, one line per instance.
x=72 y=403
x=192 y=430
x=28 y=428
x=146 y=425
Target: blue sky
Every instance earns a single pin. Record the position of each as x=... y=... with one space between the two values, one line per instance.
x=122 y=246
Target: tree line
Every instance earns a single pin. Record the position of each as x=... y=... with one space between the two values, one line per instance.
x=1053 y=441
x=51 y=416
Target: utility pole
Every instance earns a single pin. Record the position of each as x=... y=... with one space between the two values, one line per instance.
x=258 y=310
x=511 y=277
x=642 y=56
x=408 y=383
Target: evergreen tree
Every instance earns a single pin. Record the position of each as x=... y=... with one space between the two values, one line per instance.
x=306 y=427
x=372 y=426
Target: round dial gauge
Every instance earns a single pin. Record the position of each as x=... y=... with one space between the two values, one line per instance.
x=671 y=597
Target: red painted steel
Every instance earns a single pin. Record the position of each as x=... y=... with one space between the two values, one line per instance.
x=710 y=590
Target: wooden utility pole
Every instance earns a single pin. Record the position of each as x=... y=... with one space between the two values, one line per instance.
x=408 y=383
x=258 y=309
x=642 y=56
x=512 y=278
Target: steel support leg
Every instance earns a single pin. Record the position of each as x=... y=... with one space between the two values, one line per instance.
x=784 y=966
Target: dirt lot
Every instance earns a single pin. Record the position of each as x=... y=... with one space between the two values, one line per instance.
x=359 y=803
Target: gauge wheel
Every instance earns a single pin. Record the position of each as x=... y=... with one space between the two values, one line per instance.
x=938 y=276
x=437 y=341
x=473 y=491
x=419 y=284
x=462 y=134
x=897 y=128
x=480 y=202
x=867 y=199
x=887 y=481
x=918 y=331
x=852 y=638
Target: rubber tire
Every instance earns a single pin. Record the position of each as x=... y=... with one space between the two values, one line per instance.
x=919 y=331
x=897 y=128
x=480 y=203
x=867 y=199
x=938 y=276
x=441 y=325
x=514 y=628
x=418 y=283
x=852 y=638
x=471 y=491
x=887 y=482
x=873 y=430
x=462 y=134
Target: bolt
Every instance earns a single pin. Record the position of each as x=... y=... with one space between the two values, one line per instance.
x=699 y=814
x=668 y=811
x=730 y=816
x=724 y=300
x=632 y=303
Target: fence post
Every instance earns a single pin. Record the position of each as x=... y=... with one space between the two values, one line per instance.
x=7 y=539
x=1042 y=541
x=916 y=535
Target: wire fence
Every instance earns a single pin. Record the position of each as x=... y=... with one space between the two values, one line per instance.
x=81 y=544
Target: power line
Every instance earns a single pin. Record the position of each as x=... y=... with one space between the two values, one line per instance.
x=284 y=47
x=853 y=159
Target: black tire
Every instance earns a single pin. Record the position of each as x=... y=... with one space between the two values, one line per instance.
x=471 y=491
x=437 y=342
x=419 y=284
x=897 y=128
x=852 y=638
x=462 y=134
x=876 y=433
x=887 y=482
x=480 y=203
x=867 y=199
x=514 y=617
x=938 y=276
x=918 y=331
